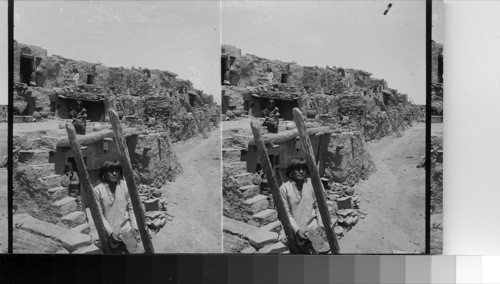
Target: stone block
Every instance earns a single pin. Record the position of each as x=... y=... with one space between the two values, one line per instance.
x=82 y=229
x=62 y=251
x=344 y=203
x=249 y=191
x=66 y=205
x=26 y=242
x=248 y=250
x=345 y=212
x=51 y=181
x=244 y=179
x=259 y=238
x=236 y=227
x=265 y=217
x=273 y=226
x=92 y=249
x=257 y=203
x=339 y=230
x=70 y=239
x=235 y=168
x=58 y=193
x=278 y=247
x=152 y=204
x=74 y=219
x=231 y=155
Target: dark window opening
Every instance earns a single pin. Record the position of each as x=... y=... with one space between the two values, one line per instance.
x=440 y=69
x=38 y=61
x=386 y=99
x=90 y=79
x=284 y=78
x=26 y=69
x=191 y=99
x=232 y=59
x=246 y=105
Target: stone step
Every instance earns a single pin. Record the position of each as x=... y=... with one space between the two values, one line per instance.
x=257 y=203
x=273 y=226
x=265 y=217
x=92 y=249
x=248 y=250
x=66 y=205
x=74 y=219
x=258 y=238
x=231 y=154
x=235 y=168
x=38 y=156
x=70 y=239
x=51 y=181
x=26 y=242
x=249 y=191
x=82 y=229
x=278 y=247
x=58 y=193
x=244 y=179
x=45 y=169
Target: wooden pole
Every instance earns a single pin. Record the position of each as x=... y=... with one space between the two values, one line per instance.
x=87 y=188
x=128 y=174
x=190 y=109
x=271 y=179
x=319 y=191
x=382 y=106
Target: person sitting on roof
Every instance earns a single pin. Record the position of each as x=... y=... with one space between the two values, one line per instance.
x=79 y=116
x=272 y=114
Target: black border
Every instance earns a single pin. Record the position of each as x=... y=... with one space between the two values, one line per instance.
x=43 y=268
x=10 y=161
x=428 y=41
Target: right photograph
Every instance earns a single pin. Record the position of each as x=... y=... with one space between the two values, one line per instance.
x=323 y=125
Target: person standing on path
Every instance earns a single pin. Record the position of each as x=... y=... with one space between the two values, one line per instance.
x=113 y=202
x=302 y=208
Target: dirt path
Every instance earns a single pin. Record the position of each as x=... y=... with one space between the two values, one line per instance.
x=393 y=198
x=194 y=200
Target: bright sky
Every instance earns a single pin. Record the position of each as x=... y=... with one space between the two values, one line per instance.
x=351 y=34
x=181 y=37
x=4 y=62
x=438 y=21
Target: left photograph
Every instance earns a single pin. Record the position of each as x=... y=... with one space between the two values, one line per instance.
x=116 y=127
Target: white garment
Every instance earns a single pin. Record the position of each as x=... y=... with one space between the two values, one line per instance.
x=116 y=209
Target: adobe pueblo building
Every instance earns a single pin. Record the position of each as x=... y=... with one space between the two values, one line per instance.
x=156 y=110
x=345 y=109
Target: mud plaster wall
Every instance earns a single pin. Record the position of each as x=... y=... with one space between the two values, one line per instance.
x=286 y=151
x=154 y=159
x=349 y=163
x=95 y=155
x=128 y=84
x=30 y=195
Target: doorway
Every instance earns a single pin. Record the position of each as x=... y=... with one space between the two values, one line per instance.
x=26 y=68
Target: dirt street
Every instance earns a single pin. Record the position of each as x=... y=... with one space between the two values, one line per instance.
x=393 y=198
x=194 y=200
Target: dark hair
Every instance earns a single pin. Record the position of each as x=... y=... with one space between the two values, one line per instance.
x=68 y=167
x=258 y=167
x=295 y=164
x=110 y=165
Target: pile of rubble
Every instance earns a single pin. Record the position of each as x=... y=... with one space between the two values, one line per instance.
x=155 y=206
